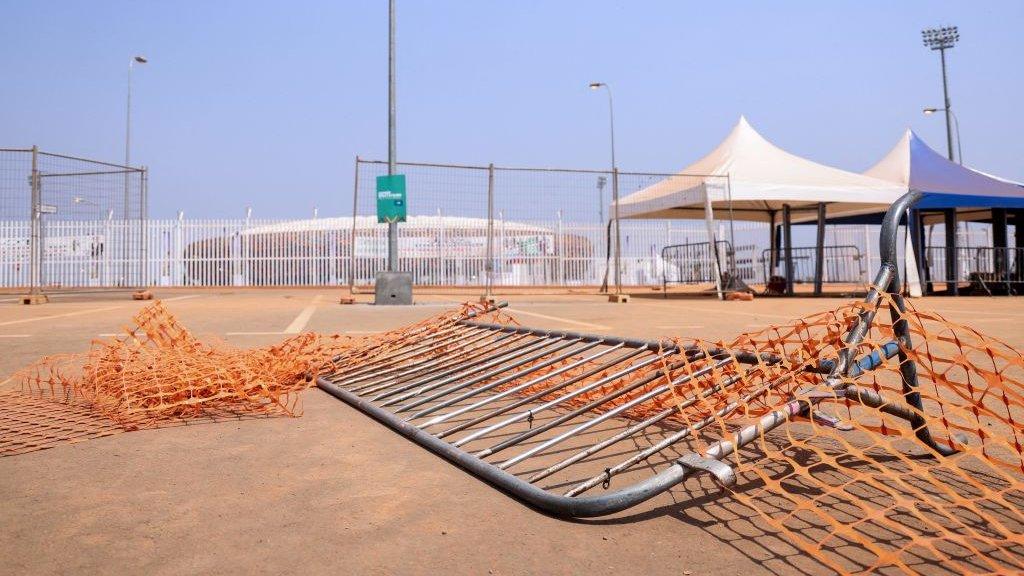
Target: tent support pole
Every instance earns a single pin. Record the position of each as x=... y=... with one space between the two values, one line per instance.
x=916 y=230
x=952 y=265
x=1018 y=242
x=787 y=232
x=819 y=251
x=773 y=244
x=709 y=221
x=999 y=245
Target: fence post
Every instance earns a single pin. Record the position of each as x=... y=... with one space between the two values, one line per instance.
x=501 y=244
x=441 y=272
x=560 y=250
x=352 y=238
x=618 y=234
x=35 y=247
x=143 y=226
x=489 y=265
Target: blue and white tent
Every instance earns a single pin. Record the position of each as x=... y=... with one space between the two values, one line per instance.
x=916 y=166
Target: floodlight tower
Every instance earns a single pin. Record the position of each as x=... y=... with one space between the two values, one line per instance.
x=943 y=39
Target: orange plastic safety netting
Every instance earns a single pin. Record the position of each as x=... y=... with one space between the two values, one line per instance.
x=160 y=374
x=849 y=469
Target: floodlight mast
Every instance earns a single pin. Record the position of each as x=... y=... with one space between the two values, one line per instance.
x=943 y=39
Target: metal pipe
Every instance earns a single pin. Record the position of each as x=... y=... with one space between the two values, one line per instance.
x=590 y=451
x=489 y=374
x=542 y=393
x=666 y=346
x=519 y=438
x=479 y=359
x=452 y=343
x=585 y=507
x=556 y=401
x=515 y=389
x=500 y=381
x=614 y=412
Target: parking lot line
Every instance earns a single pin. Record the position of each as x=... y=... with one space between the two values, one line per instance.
x=15 y=335
x=54 y=316
x=303 y=318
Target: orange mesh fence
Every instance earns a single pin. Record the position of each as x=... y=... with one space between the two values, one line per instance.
x=159 y=374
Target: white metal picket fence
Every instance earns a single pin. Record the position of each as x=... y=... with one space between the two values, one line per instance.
x=437 y=250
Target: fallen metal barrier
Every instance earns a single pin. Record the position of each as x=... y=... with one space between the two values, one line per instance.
x=873 y=428
x=517 y=406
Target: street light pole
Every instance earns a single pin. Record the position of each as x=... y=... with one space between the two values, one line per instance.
x=615 y=185
x=943 y=39
x=127 y=170
x=392 y=140
x=956 y=127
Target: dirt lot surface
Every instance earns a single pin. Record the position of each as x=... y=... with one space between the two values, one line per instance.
x=335 y=492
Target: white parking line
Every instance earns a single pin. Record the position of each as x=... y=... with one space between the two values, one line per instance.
x=186 y=297
x=15 y=335
x=303 y=318
x=559 y=319
x=65 y=315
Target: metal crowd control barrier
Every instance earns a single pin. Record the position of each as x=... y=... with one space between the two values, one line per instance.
x=842 y=265
x=694 y=263
x=989 y=270
x=504 y=402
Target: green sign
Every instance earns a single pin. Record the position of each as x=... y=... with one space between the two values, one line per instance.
x=391 y=198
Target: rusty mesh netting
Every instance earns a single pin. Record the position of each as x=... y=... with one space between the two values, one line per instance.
x=160 y=374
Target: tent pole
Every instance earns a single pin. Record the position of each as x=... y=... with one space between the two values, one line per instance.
x=915 y=229
x=999 y=245
x=952 y=266
x=709 y=221
x=819 y=251
x=1018 y=242
x=787 y=232
x=773 y=244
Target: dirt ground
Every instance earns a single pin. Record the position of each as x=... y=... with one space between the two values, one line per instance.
x=335 y=492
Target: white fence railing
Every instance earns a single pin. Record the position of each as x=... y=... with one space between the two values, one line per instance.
x=437 y=250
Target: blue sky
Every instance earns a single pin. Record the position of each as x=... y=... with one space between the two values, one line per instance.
x=267 y=104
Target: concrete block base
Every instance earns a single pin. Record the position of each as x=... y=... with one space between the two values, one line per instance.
x=618 y=298
x=393 y=289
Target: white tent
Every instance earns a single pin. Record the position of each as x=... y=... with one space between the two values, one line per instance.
x=915 y=166
x=752 y=179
